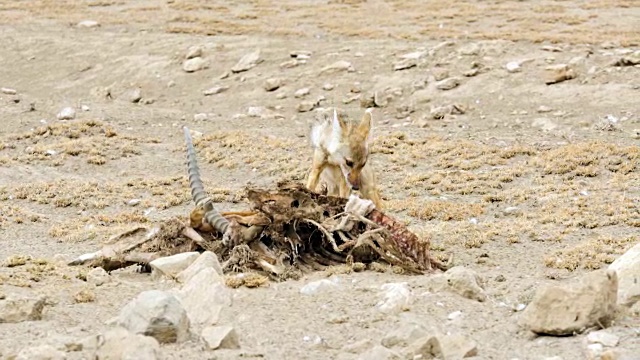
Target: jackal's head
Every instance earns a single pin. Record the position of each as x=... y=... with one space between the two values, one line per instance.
x=348 y=146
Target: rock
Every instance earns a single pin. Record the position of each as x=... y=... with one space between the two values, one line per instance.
x=440 y=112
x=301 y=92
x=628 y=60
x=88 y=24
x=421 y=97
x=470 y=49
x=8 y=91
x=358 y=346
x=133 y=95
x=544 y=109
x=41 y=352
x=512 y=210
x=572 y=307
x=513 y=66
x=317 y=286
x=404 y=335
x=206 y=284
x=247 y=62
x=206 y=260
x=559 y=73
x=220 y=337
x=338 y=66
x=448 y=84
x=460 y=280
x=457 y=347
x=594 y=351
x=193 y=52
x=551 y=48
x=328 y=87
x=15 y=310
x=397 y=297
x=603 y=337
x=300 y=54
x=170 y=266
x=379 y=352
x=272 y=84
x=200 y=117
x=292 y=63
x=67 y=113
x=195 y=64
x=120 y=344
x=545 y=124
x=158 y=314
x=426 y=347
x=627 y=267
x=405 y=64
x=134 y=202
x=414 y=55
x=215 y=90
x=439 y=74
x=307 y=105
x=84 y=296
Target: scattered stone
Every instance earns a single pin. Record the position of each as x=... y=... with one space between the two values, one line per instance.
x=67 y=113
x=206 y=284
x=85 y=108
x=291 y=63
x=317 y=286
x=247 y=62
x=328 y=87
x=300 y=54
x=397 y=297
x=134 y=202
x=379 y=352
x=603 y=337
x=158 y=314
x=448 y=84
x=405 y=64
x=544 y=109
x=338 y=66
x=301 y=92
x=513 y=67
x=206 y=260
x=98 y=276
x=193 y=52
x=216 y=90
x=470 y=49
x=220 y=337
x=200 y=117
x=8 y=91
x=306 y=106
x=457 y=347
x=460 y=280
x=629 y=60
x=512 y=210
x=440 y=112
x=439 y=74
x=627 y=267
x=594 y=351
x=133 y=95
x=559 y=73
x=358 y=346
x=570 y=308
x=84 y=296
x=88 y=24
x=272 y=84
x=170 y=266
x=41 y=352
x=551 y=48
x=195 y=64
x=545 y=124
x=15 y=310
x=471 y=72
x=404 y=335
x=454 y=315
x=120 y=344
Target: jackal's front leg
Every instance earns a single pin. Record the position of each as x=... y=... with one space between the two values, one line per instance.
x=318 y=165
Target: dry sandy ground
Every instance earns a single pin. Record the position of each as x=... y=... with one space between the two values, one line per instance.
x=531 y=184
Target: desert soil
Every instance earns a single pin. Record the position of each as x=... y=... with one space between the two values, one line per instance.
x=525 y=182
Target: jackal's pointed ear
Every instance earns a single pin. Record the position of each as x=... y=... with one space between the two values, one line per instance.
x=364 y=127
x=337 y=125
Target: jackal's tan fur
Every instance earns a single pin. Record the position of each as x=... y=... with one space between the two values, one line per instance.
x=341 y=157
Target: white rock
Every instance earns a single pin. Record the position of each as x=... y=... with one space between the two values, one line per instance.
x=200 y=117
x=194 y=64
x=454 y=315
x=216 y=90
x=15 y=310
x=85 y=108
x=603 y=337
x=170 y=266
x=206 y=284
x=88 y=24
x=120 y=344
x=134 y=202
x=193 y=51
x=397 y=297
x=513 y=66
x=158 y=314
x=67 y=113
x=206 y=260
x=41 y=352
x=247 y=62
x=220 y=337
x=338 y=66
x=627 y=266
x=98 y=276
x=317 y=286
x=301 y=92
x=8 y=91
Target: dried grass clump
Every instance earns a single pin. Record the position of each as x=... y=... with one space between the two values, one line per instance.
x=592 y=253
